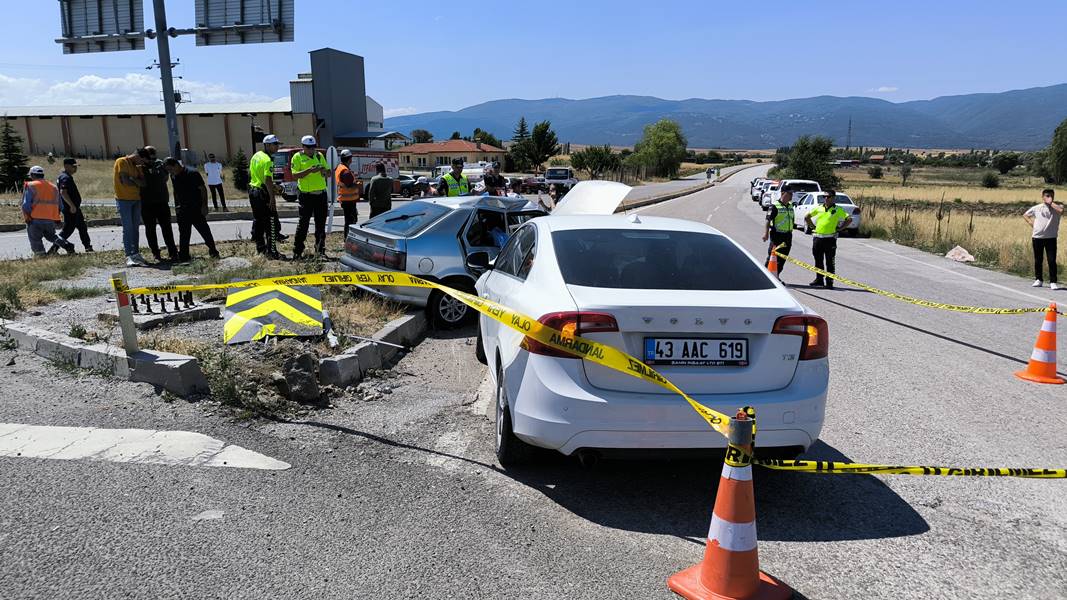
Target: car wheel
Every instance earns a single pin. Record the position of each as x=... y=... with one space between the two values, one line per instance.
x=479 y=348
x=510 y=450
x=447 y=312
x=406 y=192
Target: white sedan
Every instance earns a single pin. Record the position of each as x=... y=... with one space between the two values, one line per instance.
x=805 y=202
x=676 y=294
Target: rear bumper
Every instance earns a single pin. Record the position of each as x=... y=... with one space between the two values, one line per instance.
x=407 y=295
x=552 y=410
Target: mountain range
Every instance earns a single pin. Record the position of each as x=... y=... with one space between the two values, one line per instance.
x=1017 y=120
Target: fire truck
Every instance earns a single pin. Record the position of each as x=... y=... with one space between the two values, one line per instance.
x=364 y=164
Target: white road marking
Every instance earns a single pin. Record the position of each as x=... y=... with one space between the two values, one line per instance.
x=963 y=275
x=144 y=446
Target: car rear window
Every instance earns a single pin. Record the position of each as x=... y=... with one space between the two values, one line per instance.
x=801 y=187
x=655 y=260
x=557 y=173
x=408 y=220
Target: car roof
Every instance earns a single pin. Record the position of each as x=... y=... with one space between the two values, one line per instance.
x=620 y=221
x=484 y=201
x=799 y=181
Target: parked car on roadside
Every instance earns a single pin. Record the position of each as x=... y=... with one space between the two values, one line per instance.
x=768 y=193
x=725 y=331
x=796 y=186
x=534 y=184
x=560 y=176
x=432 y=238
x=806 y=201
x=407 y=185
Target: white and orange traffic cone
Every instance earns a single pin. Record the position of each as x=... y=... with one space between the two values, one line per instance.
x=772 y=263
x=730 y=569
x=1042 y=366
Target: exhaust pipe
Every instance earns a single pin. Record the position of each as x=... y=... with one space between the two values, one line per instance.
x=588 y=458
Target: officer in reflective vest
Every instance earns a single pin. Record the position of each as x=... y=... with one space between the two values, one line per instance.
x=780 y=228
x=40 y=211
x=454 y=183
x=348 y=188
x=826 y=222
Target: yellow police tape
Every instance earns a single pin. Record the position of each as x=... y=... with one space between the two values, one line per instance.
x=980 y=310
x=607 y=356
x=593 y=351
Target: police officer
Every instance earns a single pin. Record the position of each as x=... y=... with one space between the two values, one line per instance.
x=780 y=228
x=826 y=222
x=454 y=183
x=261 y=197
x=311 y=170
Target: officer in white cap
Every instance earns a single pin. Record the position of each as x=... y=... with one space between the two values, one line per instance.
x=262 y=199
x=311 y=170
x=40 y=210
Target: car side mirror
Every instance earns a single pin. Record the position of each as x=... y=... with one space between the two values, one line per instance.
x=479 y=261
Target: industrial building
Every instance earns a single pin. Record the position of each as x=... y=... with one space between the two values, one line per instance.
x=330 y=102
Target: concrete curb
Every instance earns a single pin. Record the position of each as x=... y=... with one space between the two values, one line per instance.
x=350 y=367
x=211 y=217
x=176 y=373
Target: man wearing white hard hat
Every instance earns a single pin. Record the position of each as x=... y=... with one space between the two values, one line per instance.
x=261 y=197
x=40 y=210
x=311 y=170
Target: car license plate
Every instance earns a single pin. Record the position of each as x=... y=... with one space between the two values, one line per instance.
x=696 y=352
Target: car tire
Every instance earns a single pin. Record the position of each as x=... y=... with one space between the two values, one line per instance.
x=479 y=348
x=446 y=312
x=405 y=193
x=510 y=450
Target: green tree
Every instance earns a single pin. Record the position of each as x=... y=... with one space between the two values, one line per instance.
x=595 y=160
x=905 y=173
x=661 y=148
x=456 y=136
x=809 y=158
x=521 y=132
x=1056 y=158
x=540 y=146
x=1005 y=162
x=421 y=136
x=13 y=161
x=990 y=180
x=240 y=170
x=874 y=172
x=484 y=137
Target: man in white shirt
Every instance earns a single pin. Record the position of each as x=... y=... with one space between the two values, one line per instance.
x=213 y=169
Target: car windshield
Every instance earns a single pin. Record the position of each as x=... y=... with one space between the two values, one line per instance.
x=408 y=220
x=838 y=199
x=801 y=187
x=655 y=260
x=557 y=173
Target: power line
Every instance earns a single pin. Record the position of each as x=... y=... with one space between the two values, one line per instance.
x=4 y=65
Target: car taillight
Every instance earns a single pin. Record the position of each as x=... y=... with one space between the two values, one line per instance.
x=571 y=323
x=813 y=330
x=385 y=257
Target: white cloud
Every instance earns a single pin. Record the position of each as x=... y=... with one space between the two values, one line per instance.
x=398 y=112
x=132 y=88
x=885 y=89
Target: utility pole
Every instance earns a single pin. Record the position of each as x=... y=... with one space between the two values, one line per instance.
x=848 y=142
x=167 y=77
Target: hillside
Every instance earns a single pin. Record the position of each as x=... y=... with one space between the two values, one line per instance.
x=1019 y=119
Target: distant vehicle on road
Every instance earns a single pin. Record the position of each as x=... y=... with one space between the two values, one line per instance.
x=755 y=188
x=407 y=185
x=560 y=176
x=807 y=201
x=432 y=238
x=767 y=194
x=725 y=331
x=534 y=184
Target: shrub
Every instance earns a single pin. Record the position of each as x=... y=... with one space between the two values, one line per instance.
x=874 y=172
x=10 y=303
x=240 y=171
x=990 y=180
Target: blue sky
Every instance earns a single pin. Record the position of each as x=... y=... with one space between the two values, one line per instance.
x=424 y=56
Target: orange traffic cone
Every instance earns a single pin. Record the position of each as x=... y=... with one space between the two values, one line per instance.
x=772 y=263
x=1042 y=367
x=730 y=569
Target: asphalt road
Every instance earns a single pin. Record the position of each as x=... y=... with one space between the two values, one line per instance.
x=401 y=497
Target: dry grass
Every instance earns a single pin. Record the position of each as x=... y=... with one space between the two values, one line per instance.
x=96 y=178
x=997 y=242
x=928 y=184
